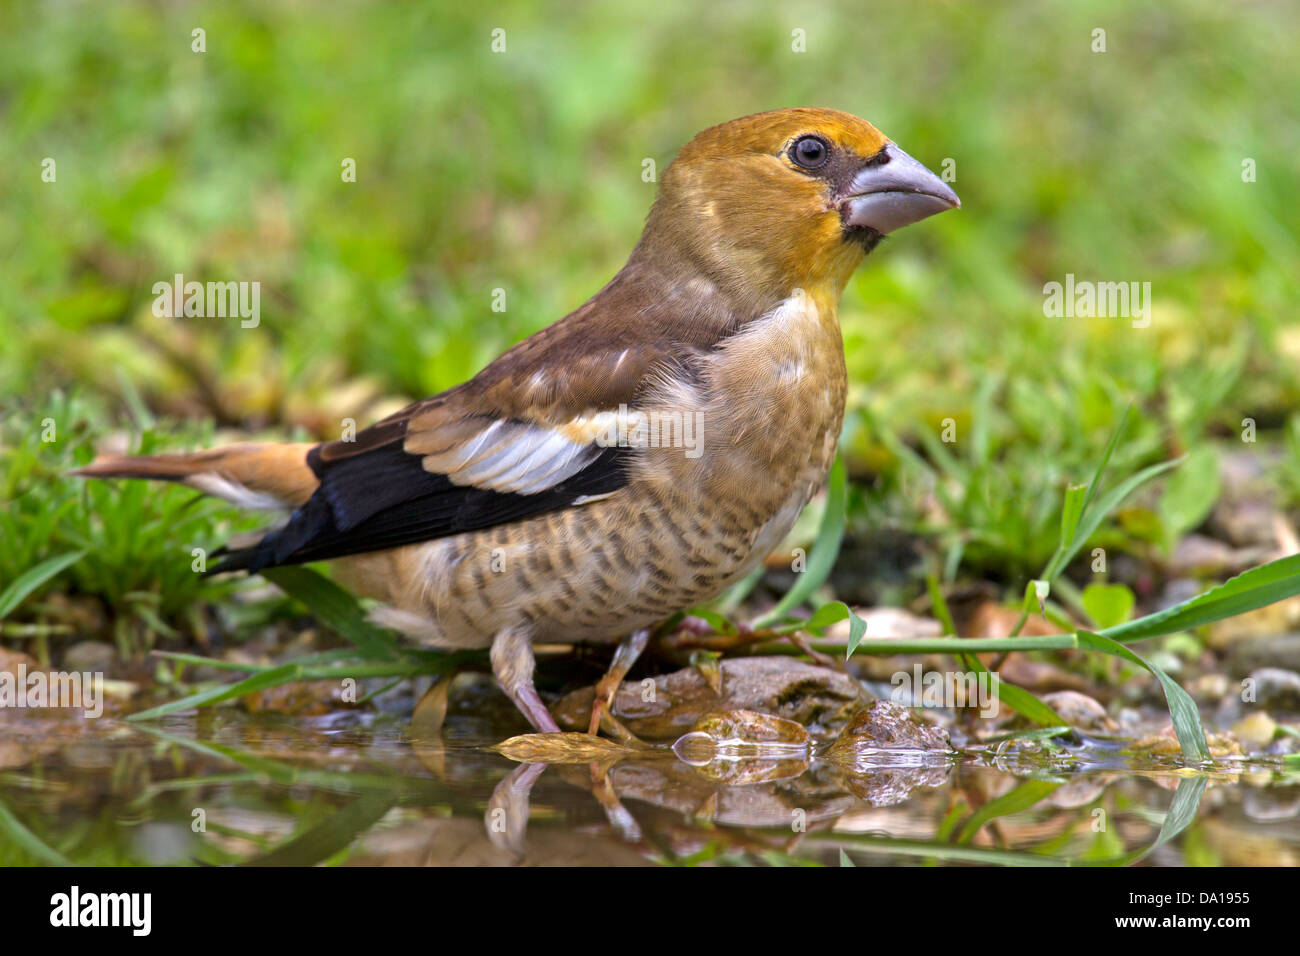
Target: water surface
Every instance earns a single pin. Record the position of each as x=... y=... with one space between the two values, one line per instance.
x=227 y=787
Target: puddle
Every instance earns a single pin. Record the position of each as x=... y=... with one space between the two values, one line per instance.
x=357 y=788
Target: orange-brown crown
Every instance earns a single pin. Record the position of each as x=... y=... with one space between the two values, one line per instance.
x=772 y=131
x=738 y=208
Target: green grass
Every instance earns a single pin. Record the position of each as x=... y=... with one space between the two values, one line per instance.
x=135 y=541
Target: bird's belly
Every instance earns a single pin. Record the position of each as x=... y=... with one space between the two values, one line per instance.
x=654 y=561
x=592 y=573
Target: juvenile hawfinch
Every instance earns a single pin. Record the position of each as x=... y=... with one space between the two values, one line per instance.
x=633 y=459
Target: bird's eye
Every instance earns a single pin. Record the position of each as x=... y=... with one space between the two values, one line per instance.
x=810 y=152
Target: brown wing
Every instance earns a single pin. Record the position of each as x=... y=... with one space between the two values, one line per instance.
x=522 y=438
x=444 y=466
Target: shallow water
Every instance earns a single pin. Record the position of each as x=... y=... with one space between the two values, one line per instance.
x=360 y=788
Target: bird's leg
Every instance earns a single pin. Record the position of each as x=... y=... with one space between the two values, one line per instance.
x=619 y=818
x=512 y=663
x=506 y=818
x=624 y=657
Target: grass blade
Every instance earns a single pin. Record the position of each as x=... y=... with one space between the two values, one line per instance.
x=1022 y=798
x=214 y=695
x=12 y=828
x=963 y=645
x=1071 y=512
x=1182 y=709
x=1105 y=457
x=336 y=608
x=1182 y=809
x=1181 y=812
x=939 y=604
x=983 y=856
x=301 y=670
x=1092 y=518
x=33 y=578
x=1248 y=591
x=332 y=835
x=1023 y=702
x=830 y=534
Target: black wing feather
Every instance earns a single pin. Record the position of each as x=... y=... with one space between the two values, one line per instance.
x=384 y=499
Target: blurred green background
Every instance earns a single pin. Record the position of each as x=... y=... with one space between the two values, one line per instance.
x=521 y=170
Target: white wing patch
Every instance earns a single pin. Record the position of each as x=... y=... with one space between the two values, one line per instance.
x=219 y=486
x=525 y=458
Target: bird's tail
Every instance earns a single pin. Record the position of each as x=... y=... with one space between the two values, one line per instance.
x=252 y=475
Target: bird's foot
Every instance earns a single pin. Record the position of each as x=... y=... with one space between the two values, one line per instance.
x=602 y=709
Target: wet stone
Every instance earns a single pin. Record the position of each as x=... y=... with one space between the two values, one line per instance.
x=1272 y=805
x=1176 y=591
x=883 y=725
x=561 y=748
x=1276 y=650
x=1199 y=556
x=1245 y=523
x=889 y=788
x=1283 y=617
x=93 y=657
x=1276 y=689
x=1080 y=711
x=1255 y=730
x=737 y=734
x=1209 y=688
x=744 y=800
x=665 y=708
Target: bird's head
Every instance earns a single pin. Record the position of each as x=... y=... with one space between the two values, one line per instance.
x=788 y=199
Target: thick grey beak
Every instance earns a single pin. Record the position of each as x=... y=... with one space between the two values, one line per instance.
x=889 y=195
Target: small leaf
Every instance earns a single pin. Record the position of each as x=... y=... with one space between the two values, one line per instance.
x=715 y=620
x=826 y=615
x=1108 y=605
x=857 y=631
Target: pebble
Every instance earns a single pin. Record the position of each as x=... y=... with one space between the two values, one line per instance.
x=1255 y=730
x=90 y=656
x=1276 y=689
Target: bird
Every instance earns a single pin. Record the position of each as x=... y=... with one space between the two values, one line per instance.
x=630 y=461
